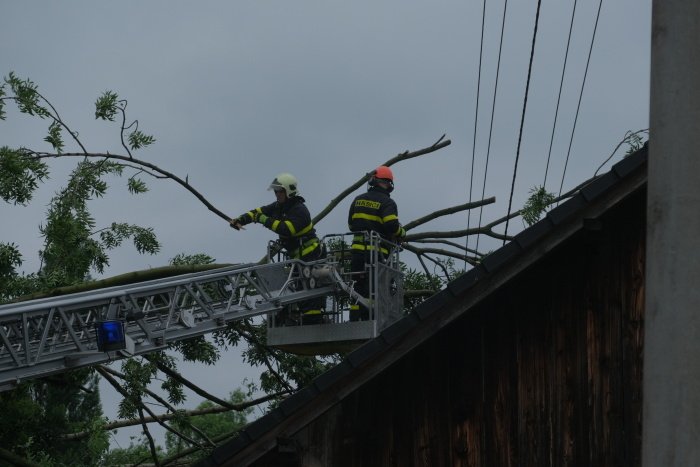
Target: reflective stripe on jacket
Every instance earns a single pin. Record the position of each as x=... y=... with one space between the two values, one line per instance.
x=291 y=221
x=374 y=211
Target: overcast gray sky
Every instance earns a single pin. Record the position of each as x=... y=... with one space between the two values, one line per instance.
x=236 y=92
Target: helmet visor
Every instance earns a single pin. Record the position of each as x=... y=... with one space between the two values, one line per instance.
x=276 y=186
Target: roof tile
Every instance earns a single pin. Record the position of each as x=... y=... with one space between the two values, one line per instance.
x=327 y=378
x=501 y=256
x=599 y=186
x=366 y=351
x=432 y=304
x=466 y=280
x=224 y=452
x=567 y=209
x=532 y=234
x=260 y=426
x=296 y=401
x=400 y=327
x=631 y=162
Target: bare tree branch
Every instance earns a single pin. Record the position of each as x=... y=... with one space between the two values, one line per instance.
x=454 y=234
x=248 y=334
x=447 y=242
x=151 y=442
x=169 y=416
x=115 y=384
x=446 y=211
x=179 y=378
x=398 y=158
x=439 y=251
x=141 y=163
x=163 y=402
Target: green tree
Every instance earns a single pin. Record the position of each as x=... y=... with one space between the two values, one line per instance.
x=208 y=427
x=37 y=413
x=132 y=455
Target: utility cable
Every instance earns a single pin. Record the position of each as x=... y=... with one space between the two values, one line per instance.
x=476 y=117
x=561 y=85
x=522 y=117
x=585 y=74
x=493 y=111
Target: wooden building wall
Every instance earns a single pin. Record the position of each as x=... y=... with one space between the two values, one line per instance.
x=546 y=372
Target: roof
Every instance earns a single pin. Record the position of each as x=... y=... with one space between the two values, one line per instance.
x=437 y=312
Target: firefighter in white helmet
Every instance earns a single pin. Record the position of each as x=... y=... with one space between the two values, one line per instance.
x=290 y=219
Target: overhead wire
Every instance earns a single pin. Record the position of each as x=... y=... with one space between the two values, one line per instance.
x=476 y=118
x=493 y=111
x=561 y=85
x=522 y=118
x=578 y=107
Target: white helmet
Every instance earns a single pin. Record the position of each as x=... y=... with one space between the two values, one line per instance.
x=287 y=182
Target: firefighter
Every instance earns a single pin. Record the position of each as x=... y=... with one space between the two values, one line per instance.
x=372 y=211
x=289 y=218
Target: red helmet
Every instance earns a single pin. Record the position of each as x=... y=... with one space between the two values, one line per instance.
x=384 y=173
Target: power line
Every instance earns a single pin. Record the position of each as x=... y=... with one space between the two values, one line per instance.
x=522 y=118
x=493 y=111
x=476 y=117
x=583 y=84
x=561 y=85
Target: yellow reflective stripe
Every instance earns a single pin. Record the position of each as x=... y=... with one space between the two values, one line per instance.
x=369 y=217
x=259 y=210
x=313 y=312
x=305 y=230
x=291 y=228
x=274 y=226
x=354 y=307
x=357 y=246
x=400 y=232
x=390 y=217
x=308 y=247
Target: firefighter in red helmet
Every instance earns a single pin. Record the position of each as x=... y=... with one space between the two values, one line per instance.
x=372 y=211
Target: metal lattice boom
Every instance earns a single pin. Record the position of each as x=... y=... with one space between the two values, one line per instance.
x=47 y=336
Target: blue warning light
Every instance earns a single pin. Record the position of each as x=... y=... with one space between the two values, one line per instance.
x=110 y=335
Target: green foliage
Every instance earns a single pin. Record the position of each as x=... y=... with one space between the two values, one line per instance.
x=37 y=413
x=138 y=140
x=3 y=94
x=10 y=258
x=197 y=349
x=70 y=248
x=144 y=238
x=634 y=141
x=283 y=370
x=182 y=259
x=133 y=455
x=54 y=138
x=26 y=96
x=106 y=106
x=20 y=175
x=536 y=204
x=136 y=185
x=138 y=374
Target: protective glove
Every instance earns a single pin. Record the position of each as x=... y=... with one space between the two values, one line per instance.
x=235 y=223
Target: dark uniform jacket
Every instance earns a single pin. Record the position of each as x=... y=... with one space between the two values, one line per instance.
x=374 y=211
x=290 y=220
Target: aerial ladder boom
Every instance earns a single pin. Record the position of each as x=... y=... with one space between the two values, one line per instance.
x=51 y=335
